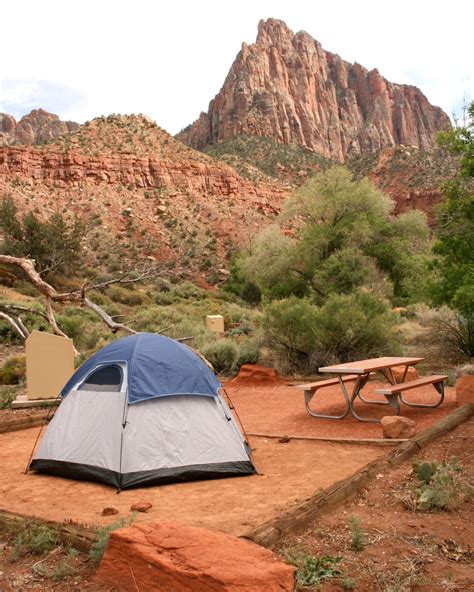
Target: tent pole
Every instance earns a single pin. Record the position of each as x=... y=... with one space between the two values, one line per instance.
x=46 y=418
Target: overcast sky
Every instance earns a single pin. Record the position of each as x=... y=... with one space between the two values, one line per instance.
x=168 y=59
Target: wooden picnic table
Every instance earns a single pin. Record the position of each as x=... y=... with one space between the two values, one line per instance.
x=359 y=372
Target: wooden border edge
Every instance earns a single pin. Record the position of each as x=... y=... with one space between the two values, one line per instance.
x=298 y=518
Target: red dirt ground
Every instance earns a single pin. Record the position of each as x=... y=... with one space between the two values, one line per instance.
x=403 y=550
x=290 y=472
x=279 y=409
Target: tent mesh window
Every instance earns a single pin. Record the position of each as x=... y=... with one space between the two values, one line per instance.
x=107 y=378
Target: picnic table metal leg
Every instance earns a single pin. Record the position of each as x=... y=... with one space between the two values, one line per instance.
x=439 y=386
x=308 y=395
x=360 y=382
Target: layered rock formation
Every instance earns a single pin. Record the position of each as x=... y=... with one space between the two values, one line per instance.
x=37 y=127
x=142 y=191
x=287 y=87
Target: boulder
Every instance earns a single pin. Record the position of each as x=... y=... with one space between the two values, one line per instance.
x=465 y=389
x=398 y=372
x=181 y=558
x=397 y=427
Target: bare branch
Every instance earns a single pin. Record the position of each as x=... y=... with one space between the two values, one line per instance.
x=8 y=308
x=15 y=324
x=108 y=320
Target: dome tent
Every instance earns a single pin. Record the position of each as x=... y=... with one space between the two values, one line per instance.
x=144 y=410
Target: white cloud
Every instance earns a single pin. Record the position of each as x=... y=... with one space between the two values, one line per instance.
x=168 y=60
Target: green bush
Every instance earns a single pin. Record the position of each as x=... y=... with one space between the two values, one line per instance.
x=35 y=539
x=221 y=354
x=347 y=327
x=124 y=296
x=73 y=326
x=188 y=291
x=98 y=548
x=13 y=370
x=311 y=570
x=440 y=485
x=248 y=353
x=7 y=396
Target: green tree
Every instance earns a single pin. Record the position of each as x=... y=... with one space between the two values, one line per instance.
x=338 y=235
x=455 y=235
x=54 y=244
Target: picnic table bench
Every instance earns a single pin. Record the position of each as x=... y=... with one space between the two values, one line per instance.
x=359 y=372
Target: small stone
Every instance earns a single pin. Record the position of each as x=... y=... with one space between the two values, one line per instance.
x=109 y=511
x=398 y=427
x=284 y=439
x=141 y=507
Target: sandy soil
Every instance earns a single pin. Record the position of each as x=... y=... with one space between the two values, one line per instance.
x=291 y=472
x=279 y=409
x=403 y=550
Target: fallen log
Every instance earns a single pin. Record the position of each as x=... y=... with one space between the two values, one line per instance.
x=375 y=441
x=74 y=535
x=299 y=517
x=21 y=423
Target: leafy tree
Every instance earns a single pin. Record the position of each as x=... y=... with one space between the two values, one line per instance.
x=339 y=236
x=455 y=236
x=54 y=244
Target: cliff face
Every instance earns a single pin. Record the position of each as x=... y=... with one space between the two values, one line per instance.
x=287 y=87
x=153 y=196
x=37 y=127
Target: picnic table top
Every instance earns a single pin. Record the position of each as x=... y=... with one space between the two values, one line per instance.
x=365 y=366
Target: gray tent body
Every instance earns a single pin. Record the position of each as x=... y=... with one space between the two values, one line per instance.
x=96 y=434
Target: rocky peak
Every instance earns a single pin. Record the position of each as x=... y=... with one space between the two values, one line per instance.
x=37 y=127
x=285 y=86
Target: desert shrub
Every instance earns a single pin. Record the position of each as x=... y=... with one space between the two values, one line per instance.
x=7 y=396
x=357 y=326
x=289 y=328
x=103 y=534
x=13 y=370
x=163 y=298
x=449 y=334
x=221 y=354
x=247 y=353
x=73 y=325
x=357 y=533
x=188 y=291
x=35 y=539
x=311 y=570
x=347 y=327
x=440 y=485
x=124 y=296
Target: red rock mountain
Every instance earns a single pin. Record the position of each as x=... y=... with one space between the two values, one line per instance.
x=37 y=127
x=287 y=87
x=141 y=192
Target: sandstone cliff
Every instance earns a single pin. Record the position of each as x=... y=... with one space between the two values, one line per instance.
x=287 y=87
x=37 y=127
x=141 y=193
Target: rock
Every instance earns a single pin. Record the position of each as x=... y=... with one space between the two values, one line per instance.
x=284 y=440
x=285 y=86
x=109 y=511
x=141 y=507
x=180 y=558
x=254 y=373
x=37 y=127
x=397 y=427
x=465 y=389
x=398 y=372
